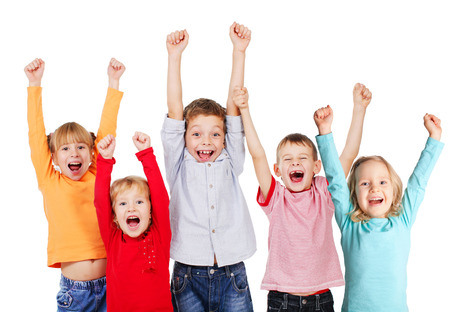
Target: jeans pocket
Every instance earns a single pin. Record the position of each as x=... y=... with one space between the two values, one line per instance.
x=179 y=283
x=239 y=280
x=63 y=298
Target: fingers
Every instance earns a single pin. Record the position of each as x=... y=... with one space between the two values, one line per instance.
x=241 y=31
x=116 y=64
x=177 y=36
x=106 y=142
x=35 y=65
x=432 y=118
x=323 y=112
x=240 y=97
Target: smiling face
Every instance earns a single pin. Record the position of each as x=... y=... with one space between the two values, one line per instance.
x=73 y=159
x=374 y=189
x=205 y=137
x=132 y=211
x=296 y=166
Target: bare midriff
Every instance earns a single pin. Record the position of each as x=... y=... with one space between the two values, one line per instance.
x=86 y=270
x=303 y=294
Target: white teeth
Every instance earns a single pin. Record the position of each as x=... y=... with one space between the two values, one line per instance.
x=75 y=163
x=205 y=152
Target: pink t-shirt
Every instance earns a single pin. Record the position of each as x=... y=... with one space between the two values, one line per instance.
x=302 y=254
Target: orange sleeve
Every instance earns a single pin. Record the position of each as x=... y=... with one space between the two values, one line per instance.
x=108 y=121
x=40 y=153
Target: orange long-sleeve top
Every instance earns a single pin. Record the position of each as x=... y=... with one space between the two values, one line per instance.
x=73 y=232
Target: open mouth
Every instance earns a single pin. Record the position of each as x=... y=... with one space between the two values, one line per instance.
x=375 y=201
x=133 y=222
x=296 y=176
x=74 y=166
x=205 y=155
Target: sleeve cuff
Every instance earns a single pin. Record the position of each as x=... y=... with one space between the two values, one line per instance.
x=174 y=124
x=269 y=195
x=234 y=123
x=145 y=152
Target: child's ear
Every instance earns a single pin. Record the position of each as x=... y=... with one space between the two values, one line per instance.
x=276 y=170
x=317 y=166
x=54 y=159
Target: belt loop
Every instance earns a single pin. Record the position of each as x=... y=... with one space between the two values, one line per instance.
x=228 y=271
x=188 y=271
x=317 y=302
x=284 y=306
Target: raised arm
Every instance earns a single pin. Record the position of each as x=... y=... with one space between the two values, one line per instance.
x=102 y=199
x=40 y=152
x=108 y=121
x=417 y=182
x=240 y=37
x=255 y=147
x=158 y=193
x=361 y=99
x=176 y=43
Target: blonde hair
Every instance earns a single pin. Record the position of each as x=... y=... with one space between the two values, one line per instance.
x=70 y=132
x=299 y=139
x=357 y=215
x=124 y=184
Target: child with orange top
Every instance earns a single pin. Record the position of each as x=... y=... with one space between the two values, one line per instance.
x=74 y=241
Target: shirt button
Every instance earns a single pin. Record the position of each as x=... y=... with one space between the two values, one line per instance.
x=214 y=231
x=210 y=186
x=211 y=271
x=209 y=165
x=304 y=301
x=212 y=206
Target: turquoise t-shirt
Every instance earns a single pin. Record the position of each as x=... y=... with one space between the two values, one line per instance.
x=376 y=253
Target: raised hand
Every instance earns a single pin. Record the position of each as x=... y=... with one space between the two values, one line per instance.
x=34 y=72
x=323 y=117
x=240 y=36
x=361 y=95
x=141 y=141
x=240 y=97
x=115 y=71
x=177 y=41
x=433 y=126
x=106 y=146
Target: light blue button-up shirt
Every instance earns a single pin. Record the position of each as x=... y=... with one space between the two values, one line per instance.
x=208 y=212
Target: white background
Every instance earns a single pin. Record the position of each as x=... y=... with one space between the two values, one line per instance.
x=303 y=55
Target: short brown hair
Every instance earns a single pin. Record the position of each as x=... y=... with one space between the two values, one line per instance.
x=70 y=132
x=299 y=139
x=357 y=214
x=205 y=107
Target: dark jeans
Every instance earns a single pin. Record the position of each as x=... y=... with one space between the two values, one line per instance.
x=204 y=288
x=284 y=302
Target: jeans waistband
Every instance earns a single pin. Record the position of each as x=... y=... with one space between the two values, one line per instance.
x=208 y=271
x=301 y=301
x=83 y=285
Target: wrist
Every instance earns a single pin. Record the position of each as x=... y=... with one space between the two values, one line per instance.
x=324 y=130
x=113 y=83
x=237 y=51
x=34 y=83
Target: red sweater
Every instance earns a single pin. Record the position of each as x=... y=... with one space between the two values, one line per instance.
x=137 y=272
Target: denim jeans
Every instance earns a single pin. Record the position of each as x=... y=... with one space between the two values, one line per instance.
x=82 y=296
x=284 y=302
x=204 y=288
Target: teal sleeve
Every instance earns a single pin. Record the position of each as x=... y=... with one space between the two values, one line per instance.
x=417 y=182
x=337 y=185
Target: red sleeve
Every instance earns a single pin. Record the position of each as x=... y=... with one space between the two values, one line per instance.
x=158 y=195
x=269 y=195
x=102 y=200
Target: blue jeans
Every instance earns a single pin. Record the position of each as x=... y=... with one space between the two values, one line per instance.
x=203 y=288
x=284 y=302
x=82 y=296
